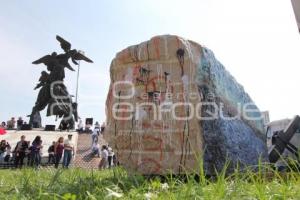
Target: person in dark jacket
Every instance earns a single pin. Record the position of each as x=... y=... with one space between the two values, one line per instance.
x=58 y=150
x=20 y=123
x=20 y=152
x=36 y=147
x=51 y=157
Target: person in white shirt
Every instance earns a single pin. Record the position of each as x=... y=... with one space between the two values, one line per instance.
x=111 y=154
x=95 y=135
x=96 y=149
x=97 y=125
x=80 y=126
x=68 y=151
x=104 y=157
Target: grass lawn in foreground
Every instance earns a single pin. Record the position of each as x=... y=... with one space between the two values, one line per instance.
x=117 y=184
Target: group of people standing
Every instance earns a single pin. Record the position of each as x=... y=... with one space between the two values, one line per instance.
x=22 y=150
x=61 y=149
x=33 y=153
x=108 y=158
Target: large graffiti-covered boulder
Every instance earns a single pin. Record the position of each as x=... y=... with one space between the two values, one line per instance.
x=171 y=103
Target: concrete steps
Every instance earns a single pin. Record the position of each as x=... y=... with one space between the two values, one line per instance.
x=83 y=158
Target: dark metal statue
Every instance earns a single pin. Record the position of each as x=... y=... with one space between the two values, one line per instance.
x=53 y=92
x=281 y=141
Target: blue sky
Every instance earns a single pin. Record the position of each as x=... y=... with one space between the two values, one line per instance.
x=257 y=41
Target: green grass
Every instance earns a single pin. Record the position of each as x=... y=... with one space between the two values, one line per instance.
x=266 y=184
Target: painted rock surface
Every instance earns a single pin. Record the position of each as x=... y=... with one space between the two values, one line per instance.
x=171 y=102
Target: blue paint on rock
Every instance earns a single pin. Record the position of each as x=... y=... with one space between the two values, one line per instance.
x=237 y=140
